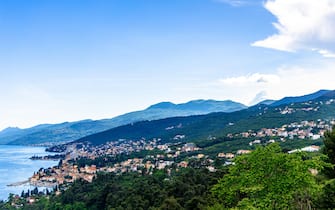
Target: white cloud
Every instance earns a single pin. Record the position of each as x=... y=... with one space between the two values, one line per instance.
x=261 y=96
x=234 y=3
x=327 y=53
x=302 y=25
x=285 y=81
x=251 y=79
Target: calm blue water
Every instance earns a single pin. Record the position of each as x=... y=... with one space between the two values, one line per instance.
x=15 y=166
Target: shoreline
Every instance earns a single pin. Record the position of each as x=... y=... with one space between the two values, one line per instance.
x=14 y=181
x=15 y=184
x=34 y=184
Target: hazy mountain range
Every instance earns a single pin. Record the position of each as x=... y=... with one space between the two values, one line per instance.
x=201 y=128
x=69 y=131
x=199 y=118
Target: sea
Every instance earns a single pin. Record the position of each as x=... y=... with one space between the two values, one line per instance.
x=15 y=166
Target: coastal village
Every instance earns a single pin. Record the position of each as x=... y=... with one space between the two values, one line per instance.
x=166 y=155
x=159 y=155
x=121 y=156
x=303 y=130
x=68 y=172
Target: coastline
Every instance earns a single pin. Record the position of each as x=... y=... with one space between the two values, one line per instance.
x=17 y=168
x=15 y=184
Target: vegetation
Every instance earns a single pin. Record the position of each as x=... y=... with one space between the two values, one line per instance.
x=198 y=128
x=187 y=188
x=270 y=179
x=70 y=131
x=329 y=149
x=265 y=179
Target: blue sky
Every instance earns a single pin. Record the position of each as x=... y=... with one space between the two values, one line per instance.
x=66 y=60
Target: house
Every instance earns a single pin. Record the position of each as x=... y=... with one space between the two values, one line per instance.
x=199 y=156
x=241 y=152
x=221 y=155
x=312 y=148
x=255 y=142
x=183 y=164
x=211 y=168
x=189 y=147
x=230 y=155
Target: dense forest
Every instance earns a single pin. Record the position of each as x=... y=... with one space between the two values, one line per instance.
x=267 y=178
x=187 y=188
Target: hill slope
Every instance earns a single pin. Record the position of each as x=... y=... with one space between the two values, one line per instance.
x=304 y=98
x=65 y=132
x=200 y=128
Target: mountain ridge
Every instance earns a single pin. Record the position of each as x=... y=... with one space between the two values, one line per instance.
x=70 y=131
x=220 y=124
x=304 y=98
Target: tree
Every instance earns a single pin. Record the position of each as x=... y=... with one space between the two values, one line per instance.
x=327 y=197
x=268 y=179
x=170 y=204
x=329 y=150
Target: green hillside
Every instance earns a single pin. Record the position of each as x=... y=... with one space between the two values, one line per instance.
x=49 y=134
x=199 y=128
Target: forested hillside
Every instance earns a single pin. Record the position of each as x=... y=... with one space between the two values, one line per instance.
x=51 y=134
x=267 y=178
x=199 y=128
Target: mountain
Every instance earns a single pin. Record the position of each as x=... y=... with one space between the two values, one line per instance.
x=203 y=127
x=304 y=98
x=226 y=113
x=10 y=130
x=167 y=109
x=6 y=134
x=202 y=106
x=48 y=134
x=266 y=102
x=9 y=134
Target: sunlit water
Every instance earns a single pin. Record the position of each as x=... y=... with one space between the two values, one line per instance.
x=15 y=166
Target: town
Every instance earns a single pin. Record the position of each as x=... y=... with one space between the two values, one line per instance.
x=156 y=155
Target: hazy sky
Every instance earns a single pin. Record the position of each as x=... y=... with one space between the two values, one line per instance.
x=66 y=60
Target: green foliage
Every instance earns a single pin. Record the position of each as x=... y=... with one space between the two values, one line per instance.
x=329 y=151
x=291 y=144
x=198 y=128
x=268 y=179
x=327 y=197
x=187 y=189
x=170 y=204
x=329 y=142
x=264 y=179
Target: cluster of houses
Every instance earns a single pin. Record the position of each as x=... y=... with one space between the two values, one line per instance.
x=67 y=171
x=313 y=130
x=306 y=106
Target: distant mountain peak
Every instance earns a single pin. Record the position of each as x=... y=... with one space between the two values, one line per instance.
x=201 y=105
x=297 y=99
x=266 y=102
x=10 y=129
x=162 y=105
x=69 y=131
x=201 y=101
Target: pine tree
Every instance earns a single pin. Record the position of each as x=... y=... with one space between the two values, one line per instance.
x=329 y=150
